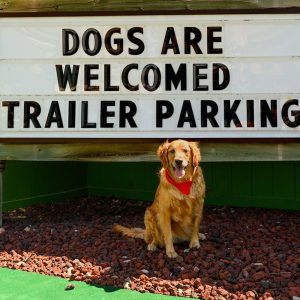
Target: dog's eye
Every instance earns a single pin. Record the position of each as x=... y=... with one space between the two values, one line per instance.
x=172 y=151
x=185 y=150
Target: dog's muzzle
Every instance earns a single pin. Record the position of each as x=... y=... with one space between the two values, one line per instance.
x=179 y=167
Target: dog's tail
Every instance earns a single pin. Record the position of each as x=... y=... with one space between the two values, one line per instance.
x=131 y=232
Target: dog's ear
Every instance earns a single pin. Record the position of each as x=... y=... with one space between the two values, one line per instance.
x=196 y=156
x=162 y=153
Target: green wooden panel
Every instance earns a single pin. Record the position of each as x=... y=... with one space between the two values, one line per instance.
x=208 y=176
x=219 y=183
x=241 y=183
x=254 y=184
x=283 y=178
x=284 y=183
x=151 y=176
x=33 y=182
x=127 y=180
x=262 y=183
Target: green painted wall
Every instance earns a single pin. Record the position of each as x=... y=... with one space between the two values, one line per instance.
x=32 y=182
x=134 y=180
x=259 y=184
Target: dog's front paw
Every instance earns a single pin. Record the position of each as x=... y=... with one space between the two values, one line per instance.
x=151 y=247
x=202 y=236
x=171 y=253
x=194 y=244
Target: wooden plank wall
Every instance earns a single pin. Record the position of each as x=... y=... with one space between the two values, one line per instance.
x=243 y=184
x=96 y=6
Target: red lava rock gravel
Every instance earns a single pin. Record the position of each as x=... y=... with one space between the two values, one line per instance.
x=248 y=253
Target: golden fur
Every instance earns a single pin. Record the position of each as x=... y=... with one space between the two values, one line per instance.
x=174 y=217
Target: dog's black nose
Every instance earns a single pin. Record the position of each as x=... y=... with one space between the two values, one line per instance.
x=178 y=162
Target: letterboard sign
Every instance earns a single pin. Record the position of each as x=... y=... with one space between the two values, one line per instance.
x=192 y=76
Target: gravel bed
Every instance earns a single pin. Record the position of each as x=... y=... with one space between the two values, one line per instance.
x=248 y=254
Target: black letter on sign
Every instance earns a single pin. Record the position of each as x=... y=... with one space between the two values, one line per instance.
x=66 y=33
x=72 y=114
x=31 y=116
x=296 y=114
x=250 y=113
x=209 y=115
x=10 y=112
x=170 y=42
x=84 y=116
x=105 y=114
x=145 y=77
x=217 y=86
x=160 y=115
x=189 y=41
x=86 y=41
x=197 y=76
x=211 y=39
x=125 y=75
x=133 y=39
x=88 y=77
x=118 y=42
x=107 y=76
x=186 y=115
x=127 y=115
x=175 y=78
x=268 y=113
x=67 y=76
x=54 y=115
x=230 y=113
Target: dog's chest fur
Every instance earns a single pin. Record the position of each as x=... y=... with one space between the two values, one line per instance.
x=183 y=208
x=183 y=211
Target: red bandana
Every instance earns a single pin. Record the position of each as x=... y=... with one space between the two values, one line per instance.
x=183 y=187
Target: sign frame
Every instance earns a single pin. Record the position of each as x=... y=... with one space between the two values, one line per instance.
x=249 y=133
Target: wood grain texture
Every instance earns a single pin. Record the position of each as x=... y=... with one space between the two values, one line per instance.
x=56 y=6
x=146 y=151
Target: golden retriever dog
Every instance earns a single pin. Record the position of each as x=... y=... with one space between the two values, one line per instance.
x=176 y=213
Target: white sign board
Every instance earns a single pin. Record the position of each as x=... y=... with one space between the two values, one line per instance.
x=220 y=76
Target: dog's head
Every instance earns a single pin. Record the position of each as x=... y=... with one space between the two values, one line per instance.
x=180 y=158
